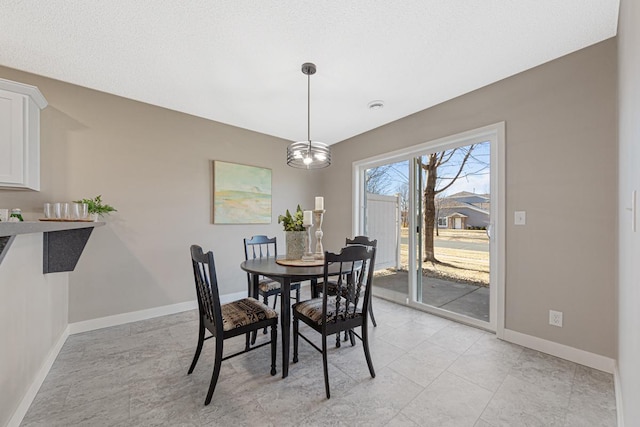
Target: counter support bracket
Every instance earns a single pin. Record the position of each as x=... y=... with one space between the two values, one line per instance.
x=61 y=250
x=5 y=242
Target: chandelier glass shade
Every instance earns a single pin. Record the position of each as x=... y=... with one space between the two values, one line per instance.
x=308 y=154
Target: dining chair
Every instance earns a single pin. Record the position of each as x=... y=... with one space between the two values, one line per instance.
x=331 y=287
x=344 y=311
x=227 y=320
x=261 y=246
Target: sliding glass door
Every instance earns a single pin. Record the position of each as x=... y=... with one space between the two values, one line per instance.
x=436 y=210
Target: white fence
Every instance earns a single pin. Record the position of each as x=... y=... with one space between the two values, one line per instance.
x=383 y=224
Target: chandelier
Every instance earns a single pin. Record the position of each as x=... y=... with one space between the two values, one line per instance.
x=308 y=154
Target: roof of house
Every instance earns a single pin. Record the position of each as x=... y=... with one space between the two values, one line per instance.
x=465 y=200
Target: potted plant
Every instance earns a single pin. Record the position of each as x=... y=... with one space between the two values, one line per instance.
x=294 y=232
x=96 y=207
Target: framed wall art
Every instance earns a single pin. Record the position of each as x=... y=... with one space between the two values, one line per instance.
x=241 y=194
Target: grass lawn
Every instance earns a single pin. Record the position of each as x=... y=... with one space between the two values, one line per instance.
x=465 y=266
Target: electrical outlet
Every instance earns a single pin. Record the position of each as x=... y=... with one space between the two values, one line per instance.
x=555 y=318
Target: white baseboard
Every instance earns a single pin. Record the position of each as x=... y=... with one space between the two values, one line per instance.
x=134 y=316
x=31 y=393
x=562 y=351
x=618 y=391
x=150 y=313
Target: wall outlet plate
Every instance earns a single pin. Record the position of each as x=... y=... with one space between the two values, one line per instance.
x=555 y=318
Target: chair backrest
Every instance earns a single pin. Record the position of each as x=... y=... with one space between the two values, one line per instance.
x=361 y=240
x=204 y=272
x=354 y=281
x=260 y=247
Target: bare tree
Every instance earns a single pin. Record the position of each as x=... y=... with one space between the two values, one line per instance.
x=377 y=179
x=430 y=168
x=403 y=191
x=439 y=205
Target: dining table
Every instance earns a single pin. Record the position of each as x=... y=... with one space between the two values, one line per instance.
x=274 y=269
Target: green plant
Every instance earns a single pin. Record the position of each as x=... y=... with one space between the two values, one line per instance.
x=292 y=222
x=95 y=206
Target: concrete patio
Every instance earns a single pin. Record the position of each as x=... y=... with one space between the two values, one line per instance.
x=461 y=298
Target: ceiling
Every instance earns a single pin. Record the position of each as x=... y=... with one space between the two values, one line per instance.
x=238 y=61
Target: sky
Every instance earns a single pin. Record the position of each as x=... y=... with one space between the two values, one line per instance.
x=474 y=178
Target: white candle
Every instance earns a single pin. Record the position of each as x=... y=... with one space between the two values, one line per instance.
x=319 y=203
x=306 y=218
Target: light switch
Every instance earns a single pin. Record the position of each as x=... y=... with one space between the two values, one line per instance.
x=520 y=218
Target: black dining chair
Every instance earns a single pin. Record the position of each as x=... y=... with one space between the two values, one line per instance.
x=261 y=246
x=227 y=320
x=344 y=311
x=331 y=287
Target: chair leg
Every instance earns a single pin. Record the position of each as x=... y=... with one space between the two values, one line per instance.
x=198 y=348
x=266 y=302
x=298 y=294
x=373 y=319
x=325 y=365
x=216 y=370
x=338 y=340
x=295 y=339
x=352 y=337
x=367 y=354
x=254 y=334
x=274 y=345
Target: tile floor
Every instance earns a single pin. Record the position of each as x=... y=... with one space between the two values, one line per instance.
x=430 y=372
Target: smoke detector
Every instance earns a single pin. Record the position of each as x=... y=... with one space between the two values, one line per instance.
x=376 y=105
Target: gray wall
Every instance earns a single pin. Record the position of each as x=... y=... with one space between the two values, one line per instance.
x=561 y=166
x=629 y=179
x=154 y=166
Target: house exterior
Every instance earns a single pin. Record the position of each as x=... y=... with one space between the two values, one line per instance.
x=463 y=211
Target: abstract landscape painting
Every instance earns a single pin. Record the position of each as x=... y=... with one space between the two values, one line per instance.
x=241 y=194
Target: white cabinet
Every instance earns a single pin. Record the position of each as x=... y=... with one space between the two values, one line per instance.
x=20 y=107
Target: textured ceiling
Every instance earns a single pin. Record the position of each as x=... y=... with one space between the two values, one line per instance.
x=238 y=61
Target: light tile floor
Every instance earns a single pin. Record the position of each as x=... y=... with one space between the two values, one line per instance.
x=430 y=372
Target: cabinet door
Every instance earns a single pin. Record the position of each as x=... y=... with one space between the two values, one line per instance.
x=12 y=143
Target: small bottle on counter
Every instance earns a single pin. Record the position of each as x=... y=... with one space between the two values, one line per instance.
x=16 y=215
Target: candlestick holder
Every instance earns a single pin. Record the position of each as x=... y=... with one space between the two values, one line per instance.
x=308 y=254
x=317 y=216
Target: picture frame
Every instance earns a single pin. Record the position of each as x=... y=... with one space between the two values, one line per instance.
x=241 y=194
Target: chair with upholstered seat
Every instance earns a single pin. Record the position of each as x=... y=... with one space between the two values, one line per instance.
x=331 y=286
x=346 y=310
x=227 y=320
x=260 y=247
